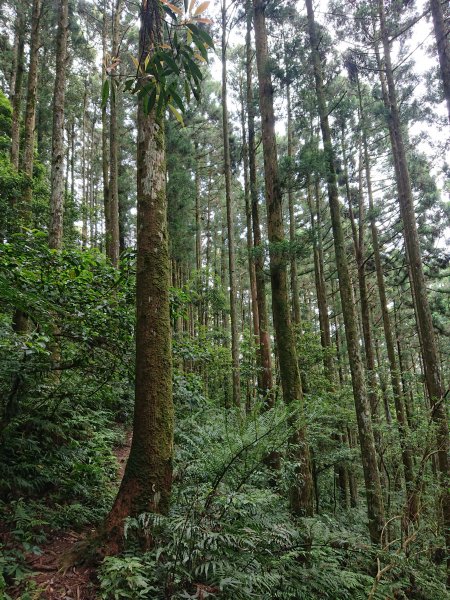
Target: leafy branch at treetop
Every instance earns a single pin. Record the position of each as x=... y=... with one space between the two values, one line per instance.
x=168 y=76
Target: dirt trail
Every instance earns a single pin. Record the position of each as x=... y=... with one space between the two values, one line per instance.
x=74 y=583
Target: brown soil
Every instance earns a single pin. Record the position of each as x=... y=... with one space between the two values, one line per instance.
x=56 y=582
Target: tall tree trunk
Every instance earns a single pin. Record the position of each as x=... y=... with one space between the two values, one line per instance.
x=84 y=187
x=296 y=317
x=230 y=220
x=359 y=247
x=412 y=503
x=198 y=228
x=57 y=175
x=147 y=481
x=442 y=34
x=264 y=338
x=248 y=217
x=302 y=489
x=430 y=353
x=375 y=507
x=112 y=236
x=16 y=99
x=105 y=136
x=25 y=210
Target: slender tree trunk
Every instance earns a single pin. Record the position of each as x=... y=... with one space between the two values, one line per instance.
x=25 y=209
x=230 y=220
x=84 y=200
x=265 y=354
x=430 y=354
x=16 y=99
x=113 y=245
x=302 y=489
x=375 y=507
x=412 y=503
x=105 y=126
x=359 y=246
x=248 y=216
x=442 y=34
x=198 y=228
x=296 y=317
x=147 y=481
x=55 y=236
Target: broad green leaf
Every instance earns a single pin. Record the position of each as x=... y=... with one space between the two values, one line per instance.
x=176 y=114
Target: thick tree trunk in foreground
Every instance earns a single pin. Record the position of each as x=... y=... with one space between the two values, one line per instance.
x=430 y=354
x=375 y=507
x=302 y=489
x=57 y=174
x=265 y=355
x=442 y=34
x=147 y=482
x=230 y=221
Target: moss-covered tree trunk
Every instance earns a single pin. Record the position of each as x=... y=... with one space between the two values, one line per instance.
x=16 y=98
x=147 y=481
x=57 y=175
x=375 y=509
x=302 y=489
x=265 y=355
x=25 y=210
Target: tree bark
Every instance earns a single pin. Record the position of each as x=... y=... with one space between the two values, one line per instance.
x=442 y=34
x=25 y=209
x=375 y=507
x=425 y=323
x=302 y=489
x=147 y=481
x=105 y=136
x=296 y=316
x=112 y=235
x=248 y=217
x=265 y=354
x=230 y=221
x=55 y=236
x=407 y=459
x=16 y=100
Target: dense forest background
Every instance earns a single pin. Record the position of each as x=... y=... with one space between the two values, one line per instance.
x=224 y=299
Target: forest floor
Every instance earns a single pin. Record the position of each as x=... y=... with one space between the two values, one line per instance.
x=55 y=582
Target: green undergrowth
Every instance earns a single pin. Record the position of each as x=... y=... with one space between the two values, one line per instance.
x=230 y=534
